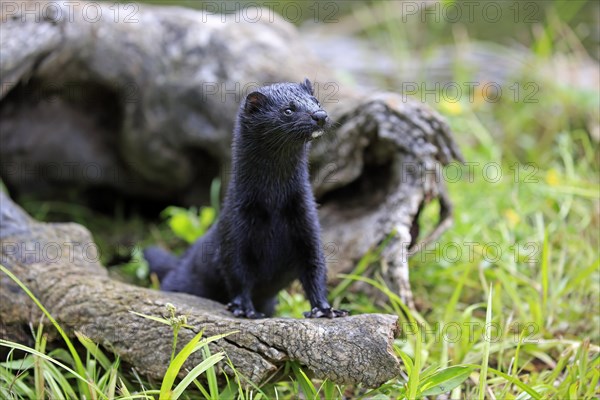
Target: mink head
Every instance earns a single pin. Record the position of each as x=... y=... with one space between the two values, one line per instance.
x=286 y=112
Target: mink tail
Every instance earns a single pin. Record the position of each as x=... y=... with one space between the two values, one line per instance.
x=160 y=261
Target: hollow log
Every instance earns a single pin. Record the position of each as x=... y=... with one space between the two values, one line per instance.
x=59 y=265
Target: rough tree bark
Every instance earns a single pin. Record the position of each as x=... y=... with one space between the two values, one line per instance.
x=58 y=264
x=145 y=106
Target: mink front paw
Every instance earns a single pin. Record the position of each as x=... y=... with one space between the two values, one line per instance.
x=242 y=312
x=327 y=312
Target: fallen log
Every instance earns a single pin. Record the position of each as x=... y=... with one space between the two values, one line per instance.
x=145 y=107
x=58 y=263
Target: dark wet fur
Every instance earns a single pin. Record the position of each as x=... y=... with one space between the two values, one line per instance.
x=268 y=233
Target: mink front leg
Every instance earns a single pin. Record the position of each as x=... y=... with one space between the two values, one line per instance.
x=241 y=306
x=314 y=282
x=239 y=285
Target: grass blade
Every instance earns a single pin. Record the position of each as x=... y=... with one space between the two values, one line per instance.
x=205 y=365
x=305 y=383
x=38 y=370
x=94 y=350
x=18 y=346
x=175 y=366
x=544 y=271
x=151 y=317
x=406 y=360
x=211 y=375
x=486 y=348
x=84 y=389
x=445 y=380
x=532 y=392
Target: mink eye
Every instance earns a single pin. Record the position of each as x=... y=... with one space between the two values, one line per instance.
x=288 y=111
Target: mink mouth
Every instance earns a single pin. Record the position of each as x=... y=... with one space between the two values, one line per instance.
x=318 y=131
x=311 y=133
x=317 y=134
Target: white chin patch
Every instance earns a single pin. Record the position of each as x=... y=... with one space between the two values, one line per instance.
x=317 y=134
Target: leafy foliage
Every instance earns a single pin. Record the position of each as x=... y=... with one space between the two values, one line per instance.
x=189 y=224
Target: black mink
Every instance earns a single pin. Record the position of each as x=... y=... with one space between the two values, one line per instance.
x=268 y=233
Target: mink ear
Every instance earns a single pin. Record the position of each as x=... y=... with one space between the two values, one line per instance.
x=254 y=102
x=308 y=86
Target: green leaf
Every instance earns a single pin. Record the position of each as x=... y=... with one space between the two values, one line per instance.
x=94 y=350
x=544 y=270
x=123 y=388
x=82 y=378
x=413 y=377
x=213 y=338
x=211 y=375
x=305 y=383
x=207 y=217
x=22 y=364
x=58 y=380
x=183 y=227
x=408 y=364
x=445 y=380
x=195 y=372
x=151 y=317
x=111 y=387
x=56 y=391
x=532 y=392
x=40 y=345
x=189 y=224
x=175 y=366
x=83 y=385
x=486 y=348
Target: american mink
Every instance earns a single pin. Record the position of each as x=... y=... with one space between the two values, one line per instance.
x=268 y=233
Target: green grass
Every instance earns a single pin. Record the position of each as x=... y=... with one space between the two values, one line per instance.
x=56 y=373
x=508 y=299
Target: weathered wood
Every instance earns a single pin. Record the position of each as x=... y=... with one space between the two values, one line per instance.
x=58 y=263
x=151 y=104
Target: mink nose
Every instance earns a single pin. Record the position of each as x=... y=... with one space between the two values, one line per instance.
x=320 y=117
